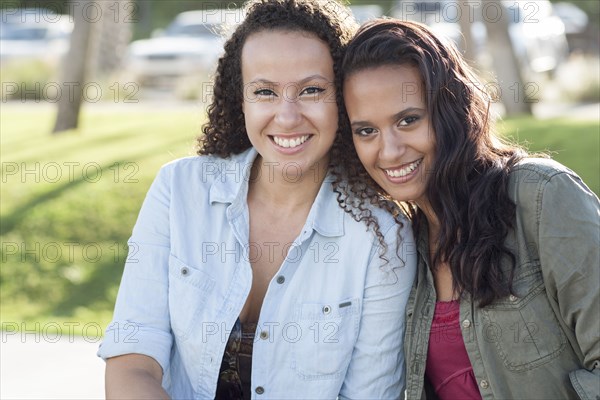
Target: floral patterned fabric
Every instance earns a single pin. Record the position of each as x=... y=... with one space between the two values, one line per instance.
x=236 y=366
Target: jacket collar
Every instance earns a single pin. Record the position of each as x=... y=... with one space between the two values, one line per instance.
x=231 y=186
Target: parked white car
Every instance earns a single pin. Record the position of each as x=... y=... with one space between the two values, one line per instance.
x=537 y=35
x=574 y=18
x=190 y=45
x=34 y=34
x=365 y=12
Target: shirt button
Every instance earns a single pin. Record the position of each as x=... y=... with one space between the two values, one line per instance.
x=466 y=323
x=280 y=279
x=264 y=335
x=326 y=310
x=259 y=390
x=185 y=271
x=513 y=298
x=484 y=384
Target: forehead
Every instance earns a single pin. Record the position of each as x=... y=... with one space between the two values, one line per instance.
x=389 y=85
x=285 y=54
x=400 y=76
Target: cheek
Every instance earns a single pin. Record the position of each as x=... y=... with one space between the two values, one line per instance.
x=254 y=114
x=324 y=116
x=362 y=149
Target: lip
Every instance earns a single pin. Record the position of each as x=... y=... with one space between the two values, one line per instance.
x=405 y=178
x=291 y=150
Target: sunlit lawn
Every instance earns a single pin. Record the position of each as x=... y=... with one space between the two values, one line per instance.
x=574 y=143
x=68 y=202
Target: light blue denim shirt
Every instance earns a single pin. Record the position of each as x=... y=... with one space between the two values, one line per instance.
x=332 y=319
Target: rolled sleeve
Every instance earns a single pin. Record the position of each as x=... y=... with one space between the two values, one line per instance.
x=376 y=369
x=141 y=322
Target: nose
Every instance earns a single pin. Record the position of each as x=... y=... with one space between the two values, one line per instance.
x=391 y=147
x=288 y=114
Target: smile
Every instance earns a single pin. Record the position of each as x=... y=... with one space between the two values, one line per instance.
x=404 y=171
x=290 y=143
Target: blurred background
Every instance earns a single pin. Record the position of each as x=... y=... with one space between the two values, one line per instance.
x=97 y=95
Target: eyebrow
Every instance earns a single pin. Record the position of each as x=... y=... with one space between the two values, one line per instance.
x=395 y=117
x=302 y=81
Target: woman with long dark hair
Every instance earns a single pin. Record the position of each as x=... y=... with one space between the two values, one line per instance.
x=506 y=300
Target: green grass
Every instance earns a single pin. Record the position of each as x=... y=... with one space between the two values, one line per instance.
x=63 y=238
x=574 y=143
x=69 y=203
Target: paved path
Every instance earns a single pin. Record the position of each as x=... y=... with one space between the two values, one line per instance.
x=36 y=367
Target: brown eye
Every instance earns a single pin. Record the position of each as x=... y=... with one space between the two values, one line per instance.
x=264 y=92
x=408 y=121
x=313 y=90
x=364 y=131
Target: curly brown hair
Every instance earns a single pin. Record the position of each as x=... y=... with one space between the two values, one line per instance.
x=467 y=186
x=225 y=133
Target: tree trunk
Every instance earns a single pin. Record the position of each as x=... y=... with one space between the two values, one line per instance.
x=467 y=16
x=113 y=33
x=506 y=64
x=74 y=66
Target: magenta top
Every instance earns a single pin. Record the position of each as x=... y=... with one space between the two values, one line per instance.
x=448 y=367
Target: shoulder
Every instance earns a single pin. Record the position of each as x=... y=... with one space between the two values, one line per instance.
x=384 y=219
x=387 y=222
x=537 y=184
x=362 y=208
x=541 y=168
x=205 y=169
x=192 y=164
x=533 y=176
x=397 y=234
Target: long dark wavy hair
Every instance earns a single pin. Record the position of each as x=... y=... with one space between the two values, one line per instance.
x=225 y=133
x=467 y=187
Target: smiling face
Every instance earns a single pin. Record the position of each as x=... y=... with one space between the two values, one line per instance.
x=391 y=129
x=289 y=102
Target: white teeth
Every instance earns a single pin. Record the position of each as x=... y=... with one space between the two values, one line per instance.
x=287 y=143
x=397 y=173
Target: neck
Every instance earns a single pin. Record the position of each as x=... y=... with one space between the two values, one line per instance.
x=432 y=219
x=281 y=190
x=433 y=224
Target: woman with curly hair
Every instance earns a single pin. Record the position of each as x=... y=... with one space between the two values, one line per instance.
x=246 y=278
x=505 y=304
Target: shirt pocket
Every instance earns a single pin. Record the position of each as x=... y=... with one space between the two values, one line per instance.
x=526 y=333
x=188 y=290
x=326 y=336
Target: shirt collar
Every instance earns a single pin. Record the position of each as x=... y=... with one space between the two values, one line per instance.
x=326 y=216
x=231 y=177
x=231 y=186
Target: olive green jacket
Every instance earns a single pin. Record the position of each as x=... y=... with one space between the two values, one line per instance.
x=544 y=341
